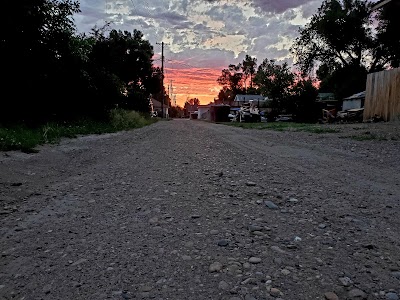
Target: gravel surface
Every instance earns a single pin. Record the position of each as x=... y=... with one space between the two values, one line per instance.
x=193 y=210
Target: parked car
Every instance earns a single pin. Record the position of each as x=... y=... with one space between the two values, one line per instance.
x=284 y=118
x=232 y=117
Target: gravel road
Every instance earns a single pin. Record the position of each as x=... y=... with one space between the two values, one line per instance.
x=193 y=210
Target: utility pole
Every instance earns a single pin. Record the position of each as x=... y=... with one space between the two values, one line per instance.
x=170 y=90
x=162 y=78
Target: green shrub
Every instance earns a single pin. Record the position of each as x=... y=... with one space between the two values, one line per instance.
x=123 y=119
x=20 y=137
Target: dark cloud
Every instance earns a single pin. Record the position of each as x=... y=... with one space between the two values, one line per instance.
x=201 y=27
x=274 y=6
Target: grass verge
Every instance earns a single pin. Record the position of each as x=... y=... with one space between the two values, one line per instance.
x=22 y=138
x=285 y=126
x=367 y=136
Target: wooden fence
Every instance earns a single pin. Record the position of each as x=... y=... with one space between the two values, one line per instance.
x=382 y=97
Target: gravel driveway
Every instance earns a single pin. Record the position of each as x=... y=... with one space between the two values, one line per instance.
x=193 y=210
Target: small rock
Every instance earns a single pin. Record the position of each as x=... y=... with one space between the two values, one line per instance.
x=278 y=260
x=396 y=274
x=76 y=284
x=117 y=293
x=274 y=292
x=246 y=266
x=249 y=281
x=255 y=228
x=254 y=260
x=279 y=250
x=145 y=288
x=79 y=261
x=285 y=272
x=250 y=183
x=271 y=205
x=195 y=216
x=357 y=294
x=186 y=257
x=249 y=297
x=215 y=267
x=223 y=243
x=391 y=296
x=47 y=289
x=223 y=286
x=345 y=281
x=153 y=220
x=331 y=296
x=322 y=226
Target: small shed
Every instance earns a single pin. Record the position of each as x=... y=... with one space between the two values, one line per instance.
x=203 y=112
x=219 y=113
x=354 y=101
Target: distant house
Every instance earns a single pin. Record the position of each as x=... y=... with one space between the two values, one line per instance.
x=354 y=101
x=158 y=108
x=240 y=99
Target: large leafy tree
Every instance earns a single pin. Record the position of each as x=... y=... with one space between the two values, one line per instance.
x=232 y=78
x=341 y=43
x=387 y=49
x=226 y=96
x=338 y=34
x=275 y=82
x=303 y=100
x=36 y=48
x=128 y=57
x=249 y=68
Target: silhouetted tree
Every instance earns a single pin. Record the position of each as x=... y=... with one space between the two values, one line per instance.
x=249 y=67
x=341 y=43
x=37 y=56
x=275 y=82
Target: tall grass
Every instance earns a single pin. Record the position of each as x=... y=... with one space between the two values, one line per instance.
x=20 y=137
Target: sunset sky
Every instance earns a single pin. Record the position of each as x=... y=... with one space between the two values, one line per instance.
x=203 y=37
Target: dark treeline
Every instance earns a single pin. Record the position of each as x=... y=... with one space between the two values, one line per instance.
x=50 y=73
